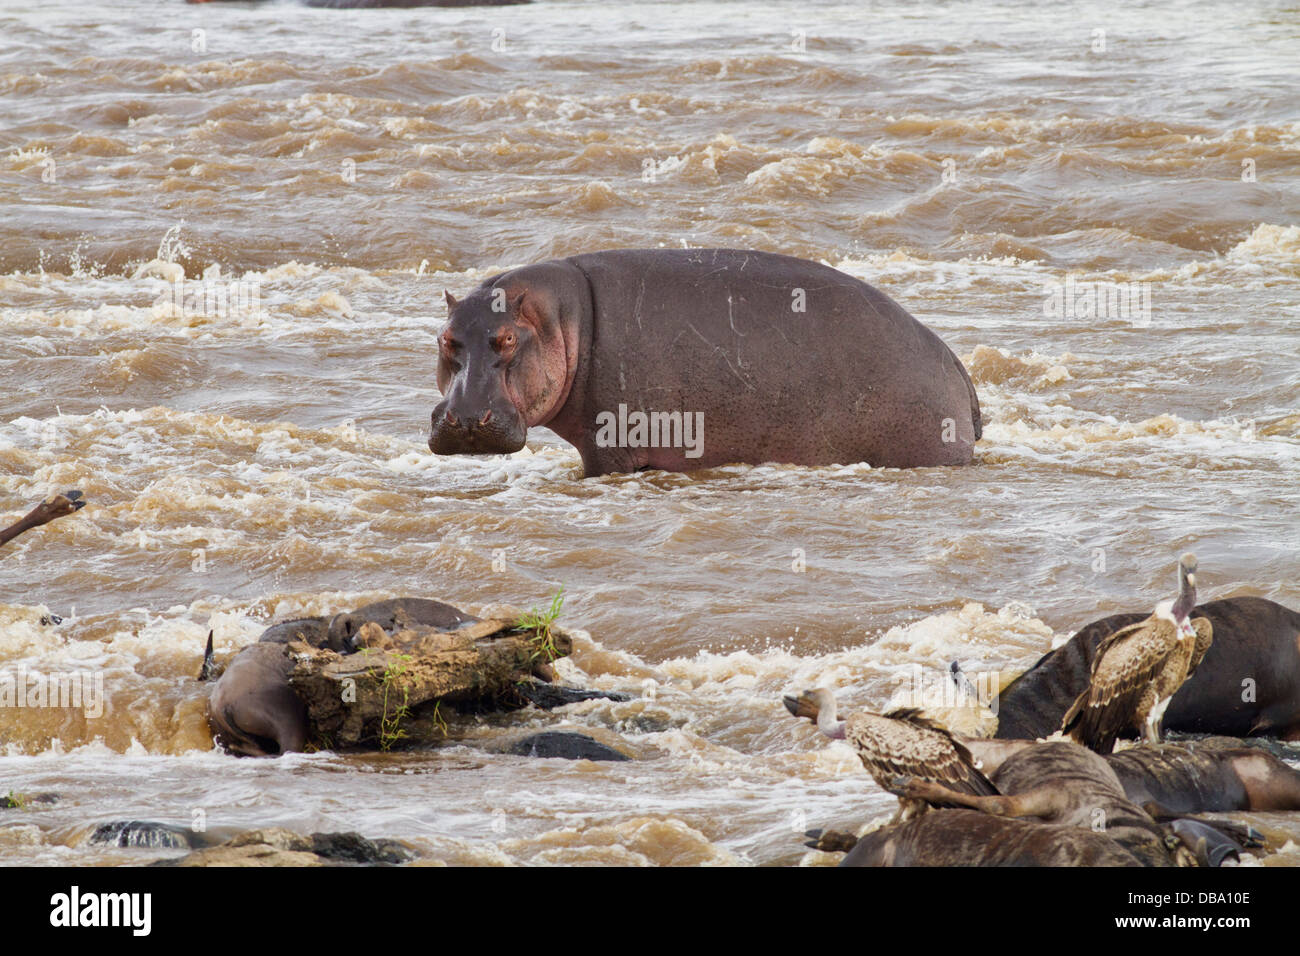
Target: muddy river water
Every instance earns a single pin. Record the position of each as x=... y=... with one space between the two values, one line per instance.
x=334 y=171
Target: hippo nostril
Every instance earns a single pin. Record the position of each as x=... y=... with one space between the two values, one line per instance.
x=451 y=420
x=487 y=417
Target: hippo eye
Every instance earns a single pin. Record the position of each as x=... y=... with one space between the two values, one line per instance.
x=508 y=340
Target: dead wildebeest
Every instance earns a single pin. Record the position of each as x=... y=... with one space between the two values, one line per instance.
x=1060 y=789
x=326 y=679
x=1247 y=684
x=1210 y=776
x=254 y=712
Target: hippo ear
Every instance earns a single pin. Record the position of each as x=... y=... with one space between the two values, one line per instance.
x=451 y=300
x=527 y=309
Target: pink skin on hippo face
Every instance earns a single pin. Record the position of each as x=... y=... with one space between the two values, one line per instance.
x=504 y=365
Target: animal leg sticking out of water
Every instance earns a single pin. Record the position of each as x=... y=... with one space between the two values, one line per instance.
x=55 y=506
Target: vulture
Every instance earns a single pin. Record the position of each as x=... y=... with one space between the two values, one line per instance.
x=1137 y=670
x=897 y=746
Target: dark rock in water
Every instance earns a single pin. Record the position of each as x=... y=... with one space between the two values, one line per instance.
x=649 y=723
x=23 y=801
x=48 y=619
x=570 y=746
x=352 y=847
x=154 y=836
x=275 y=846
x=549 y=696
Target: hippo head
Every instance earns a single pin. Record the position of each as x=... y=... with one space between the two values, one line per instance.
x=503 y=365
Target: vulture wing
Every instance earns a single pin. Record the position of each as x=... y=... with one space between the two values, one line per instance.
x=902 y=743
x=1124 y=667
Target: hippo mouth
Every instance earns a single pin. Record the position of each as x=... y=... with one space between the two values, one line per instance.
x=491 y=435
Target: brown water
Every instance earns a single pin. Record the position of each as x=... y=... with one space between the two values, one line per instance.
x=266 y=460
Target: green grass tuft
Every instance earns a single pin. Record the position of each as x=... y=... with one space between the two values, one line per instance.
x=539 y=623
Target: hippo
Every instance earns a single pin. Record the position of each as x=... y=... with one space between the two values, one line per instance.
x=1247 y=684
x=682 y=359
x=55 y=506
x=148 y=835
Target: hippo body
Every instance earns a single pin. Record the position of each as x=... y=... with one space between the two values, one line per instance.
x=681 y=359
x=1248 y=683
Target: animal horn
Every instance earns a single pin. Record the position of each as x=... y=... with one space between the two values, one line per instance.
x=209 y=665
x=962 y=682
